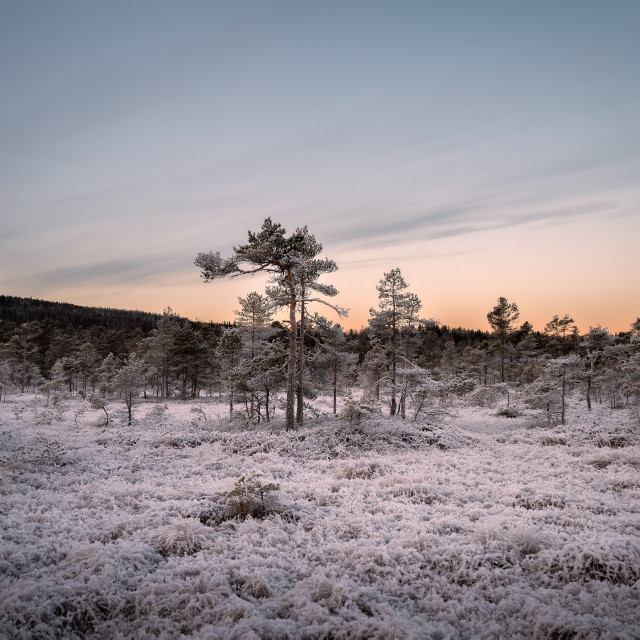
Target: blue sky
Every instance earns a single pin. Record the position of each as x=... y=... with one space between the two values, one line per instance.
x=485 y=148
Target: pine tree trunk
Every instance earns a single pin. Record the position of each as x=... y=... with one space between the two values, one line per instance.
x=335 y=386
x=291 y=365
x=253 y=356
x=300 y=386
x=563 y=394
x=24 y=368
x=392 y=410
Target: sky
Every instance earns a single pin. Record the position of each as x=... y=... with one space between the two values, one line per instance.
x=486 y=149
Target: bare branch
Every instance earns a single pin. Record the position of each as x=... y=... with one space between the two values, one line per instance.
x=341 y=311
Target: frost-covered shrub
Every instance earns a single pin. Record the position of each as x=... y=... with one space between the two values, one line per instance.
x=355 y=409
x=484 y=396
x=198 y=413
x=539 y=501
x=250 y=497
x=528 y=541
x=617 y=562
x=183 y=536
x=509 y=412
x=551 y=441
x=158 y=411
x=97 y=401
x=613 y=441
x=457 y=386
x=360 y=469
x=40 y=453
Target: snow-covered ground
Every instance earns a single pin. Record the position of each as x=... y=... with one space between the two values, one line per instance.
x=467 y=525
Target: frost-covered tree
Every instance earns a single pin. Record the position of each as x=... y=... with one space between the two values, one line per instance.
x=558 y=377
x=229 y=351
x=631 y=368
x=612 y=373
x=158 y=350
x=272 y=251
x=501 y=319
x=106 y=374
x=333 y=363
x=253 y=319
x=308 y=291
x=449 y=359
x=397 y=311
x=21 y=353
x=88 y=362
x=421 y=387
x=559 y=326
x=190 y=358
x=129 y=379
x=594 y=344
x=57 y=385
x=266 y=376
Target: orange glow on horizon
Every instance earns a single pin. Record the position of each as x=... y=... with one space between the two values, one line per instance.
x=545 y=271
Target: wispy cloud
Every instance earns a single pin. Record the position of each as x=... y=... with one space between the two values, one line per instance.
x=108 y=272
x=455 y=221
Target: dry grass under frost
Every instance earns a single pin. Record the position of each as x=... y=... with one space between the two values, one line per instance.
x=473 y=526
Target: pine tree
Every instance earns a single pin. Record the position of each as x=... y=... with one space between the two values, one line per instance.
x=594 y=344
x=308 y=288
x=22 y=351
x=501 y=319
x=189 y=356
x=333 y=362
x=253 y=319
x=129 y=379
x=162 y=341
x=229 y=351
x=88 y=360
x=557 y=379
x=397 y=311
x=271 y=251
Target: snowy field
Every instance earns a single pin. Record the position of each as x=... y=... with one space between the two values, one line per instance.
x=467 y=525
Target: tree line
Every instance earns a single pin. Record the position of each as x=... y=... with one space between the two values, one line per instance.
x=260 y=365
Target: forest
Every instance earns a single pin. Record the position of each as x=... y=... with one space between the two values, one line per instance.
x=260 y=364
x=64 y=350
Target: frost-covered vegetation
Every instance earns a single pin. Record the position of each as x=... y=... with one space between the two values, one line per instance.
x=463 y=523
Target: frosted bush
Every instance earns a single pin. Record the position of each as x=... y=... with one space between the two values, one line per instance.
x=617 y=562
x=251 y=497
x=529 y=541
x=360 y=469
x=183 y=536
